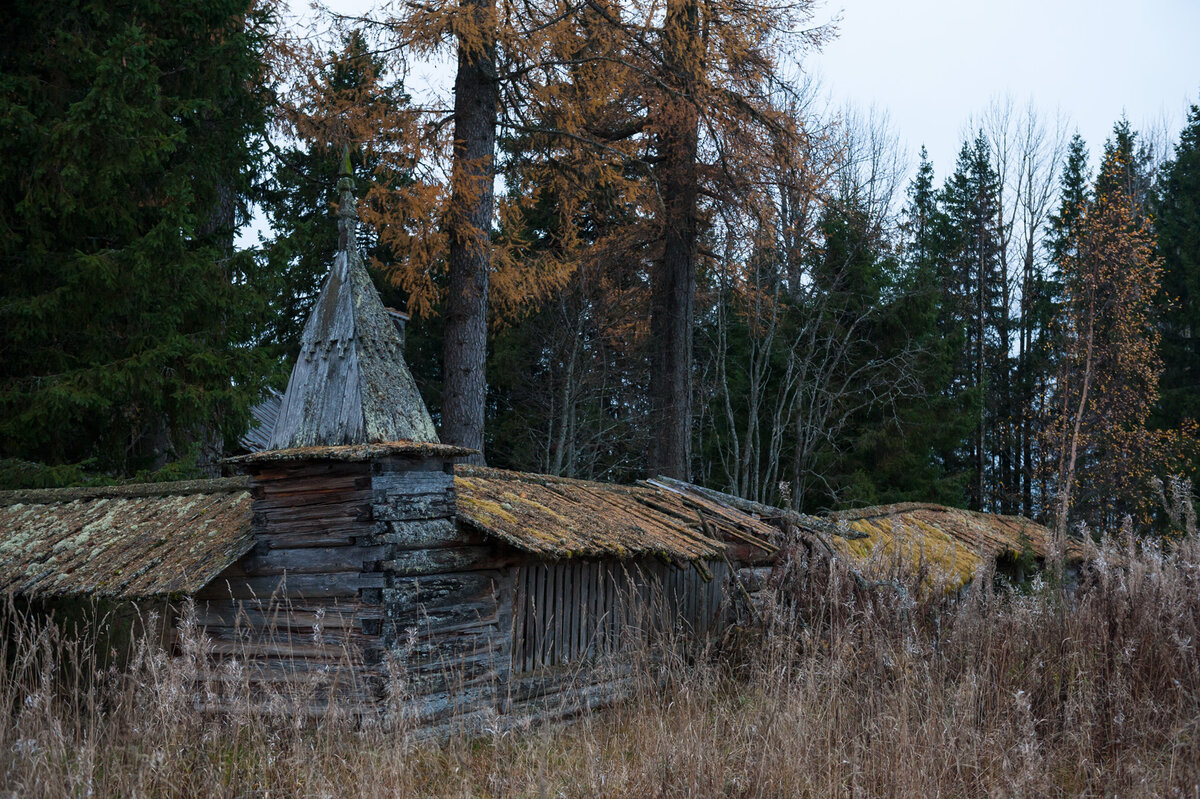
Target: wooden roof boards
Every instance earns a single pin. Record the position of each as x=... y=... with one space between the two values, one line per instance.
x=560 y=517
x=123 y=542
x=168 y=539
x=952 y=540
x=350 y=384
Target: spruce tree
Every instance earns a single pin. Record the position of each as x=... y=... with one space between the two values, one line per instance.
x=301 y=195
x=1178 y=226
x=1125 y=167
x=974 y=308
x=127 y=147
x=1074 y=191
x=890 y=449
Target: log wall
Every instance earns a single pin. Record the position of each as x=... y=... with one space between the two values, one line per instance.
x=363 y=587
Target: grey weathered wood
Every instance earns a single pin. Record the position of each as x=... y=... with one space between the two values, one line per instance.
x=418 y=506
x=349 y=383
x=428 y=621
x=341 y=584
x=410 y=482
x=505 y=618
x=227 y=615
x=442 y=589
x=312 y=560
x=425 y=534
x=313 y=492
x=289 y=477
x=456 y=559
x=313 y=535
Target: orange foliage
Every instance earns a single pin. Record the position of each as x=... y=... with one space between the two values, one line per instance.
x=1108 y=378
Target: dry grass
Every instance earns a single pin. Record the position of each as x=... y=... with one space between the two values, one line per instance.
x=1091 y=692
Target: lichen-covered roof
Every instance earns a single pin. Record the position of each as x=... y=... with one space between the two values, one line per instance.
x=166 y=539
x=122 y=542
x=560 y=517
x=949 y=540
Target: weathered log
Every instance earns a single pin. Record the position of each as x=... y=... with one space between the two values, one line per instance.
x=440 y=561
x=340 y=584
x=313 y=560
x=425 y=534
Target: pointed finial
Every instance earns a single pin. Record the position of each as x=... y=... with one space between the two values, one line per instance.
x=347 y=204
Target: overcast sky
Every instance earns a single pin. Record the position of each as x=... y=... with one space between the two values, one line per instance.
x=932 y=64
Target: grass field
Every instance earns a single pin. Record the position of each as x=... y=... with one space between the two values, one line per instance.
x=840 y=692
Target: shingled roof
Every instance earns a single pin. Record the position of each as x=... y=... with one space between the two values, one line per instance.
x=172 y=539
x=350 y=384
x=562 y=517
x=123 y=542
x=952 y=540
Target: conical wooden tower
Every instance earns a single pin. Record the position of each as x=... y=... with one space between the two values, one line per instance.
x=350 y=384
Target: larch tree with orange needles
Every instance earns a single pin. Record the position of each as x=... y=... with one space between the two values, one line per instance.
x=713 y=77
x=1108 y=377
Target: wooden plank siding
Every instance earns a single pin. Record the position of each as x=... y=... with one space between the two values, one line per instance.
x=568 y=611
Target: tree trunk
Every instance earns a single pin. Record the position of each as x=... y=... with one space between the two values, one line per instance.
x=476 y=104
x=674 y=281
x=1067 y=474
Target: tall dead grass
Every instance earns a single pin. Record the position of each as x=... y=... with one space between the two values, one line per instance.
x=1093 y=691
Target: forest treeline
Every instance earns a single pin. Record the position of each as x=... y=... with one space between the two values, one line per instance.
x=634 y=241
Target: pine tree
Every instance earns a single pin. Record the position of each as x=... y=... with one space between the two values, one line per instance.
x=1177 y=221
x=126 y=151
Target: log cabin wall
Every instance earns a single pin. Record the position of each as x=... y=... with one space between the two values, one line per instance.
x=446 y=601
x=298 y=605
x=362 y=586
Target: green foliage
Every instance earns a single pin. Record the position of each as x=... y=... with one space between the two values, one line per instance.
x=301 y=195
x=127 y=146
x=1177 y=221
x=899 y=451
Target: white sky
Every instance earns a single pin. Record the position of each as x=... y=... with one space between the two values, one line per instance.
x=932 y=64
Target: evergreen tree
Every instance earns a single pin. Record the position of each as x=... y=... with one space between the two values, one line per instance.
x=889 y=450
x=920 y=223
x=127 y=146
x=1074 y=193
x=973 y=308
x=299 y=199
x=1109 y=370
x=1126 y=167
x=1177 y=220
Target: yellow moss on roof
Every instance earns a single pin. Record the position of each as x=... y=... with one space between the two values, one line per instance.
x=561 y=517
x=950 y=543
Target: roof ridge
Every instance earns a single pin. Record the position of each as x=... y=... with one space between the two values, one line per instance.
x=48 y=496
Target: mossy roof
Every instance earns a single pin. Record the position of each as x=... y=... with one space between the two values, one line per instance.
x=171 y=539
x=156 y=539
x=949 y=541
x=561 y=517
